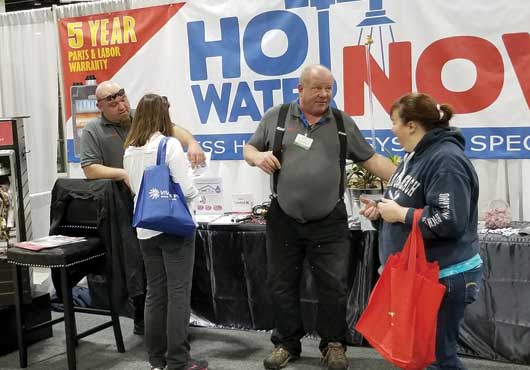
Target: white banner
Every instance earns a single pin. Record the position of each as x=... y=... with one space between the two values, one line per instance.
x=223 y=64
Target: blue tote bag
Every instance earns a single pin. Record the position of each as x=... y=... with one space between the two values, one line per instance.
x=161 y=205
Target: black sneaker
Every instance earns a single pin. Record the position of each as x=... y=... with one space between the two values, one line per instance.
x=194 y=364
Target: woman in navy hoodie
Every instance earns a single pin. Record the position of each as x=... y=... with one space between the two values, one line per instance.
x=436 y=176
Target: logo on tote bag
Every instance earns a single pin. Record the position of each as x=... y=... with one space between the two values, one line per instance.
x=155 y=194
x=161 y=205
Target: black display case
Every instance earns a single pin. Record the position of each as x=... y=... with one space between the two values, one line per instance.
x=15 y=209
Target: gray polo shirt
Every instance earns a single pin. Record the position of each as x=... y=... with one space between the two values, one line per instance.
x=308 y=183
x=102 y=143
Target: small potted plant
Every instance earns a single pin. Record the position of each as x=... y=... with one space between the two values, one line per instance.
x=361 y=181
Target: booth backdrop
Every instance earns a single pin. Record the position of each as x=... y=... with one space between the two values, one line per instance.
x=223 y=65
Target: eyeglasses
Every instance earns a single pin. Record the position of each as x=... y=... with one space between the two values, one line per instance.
x=120 y=93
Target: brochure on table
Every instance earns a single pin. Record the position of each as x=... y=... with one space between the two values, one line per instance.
x=209 y=204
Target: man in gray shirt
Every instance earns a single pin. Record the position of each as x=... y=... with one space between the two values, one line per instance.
x=307 y=216
x=103 y=138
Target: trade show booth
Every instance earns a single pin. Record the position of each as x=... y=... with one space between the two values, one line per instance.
x=222 y=68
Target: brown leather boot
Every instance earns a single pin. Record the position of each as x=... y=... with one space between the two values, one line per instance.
x=335 y=357
x=278 y=358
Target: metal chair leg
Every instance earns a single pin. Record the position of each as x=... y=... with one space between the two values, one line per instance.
x=115 y=317
x=21 y=340
x=69 y=319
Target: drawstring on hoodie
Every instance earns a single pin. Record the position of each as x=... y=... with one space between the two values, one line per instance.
x=399 y=177
x=406 y=159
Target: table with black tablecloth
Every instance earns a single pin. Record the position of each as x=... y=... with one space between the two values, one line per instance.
x=229 y=281
x=497 y=325
x=229 y=288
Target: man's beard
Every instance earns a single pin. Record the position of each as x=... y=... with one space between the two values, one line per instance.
x=126 y=121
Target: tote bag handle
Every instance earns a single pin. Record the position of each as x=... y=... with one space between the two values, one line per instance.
x=414 y=247
x=161 y=152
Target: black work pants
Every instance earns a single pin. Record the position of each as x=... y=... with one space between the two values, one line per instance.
x=326 y=245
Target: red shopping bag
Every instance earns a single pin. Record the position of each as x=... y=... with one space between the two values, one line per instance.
x=400 y=318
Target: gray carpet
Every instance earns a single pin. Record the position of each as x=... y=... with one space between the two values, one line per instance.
x=224 y=349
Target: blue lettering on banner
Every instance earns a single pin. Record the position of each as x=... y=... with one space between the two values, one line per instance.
x=227 y=48
x=245 y=102
x=290 y=89
x=292 y=26
x=481 y=143
x=70 y=152
x=204 y=103
x=267 y=88
x=322 y=7
x=498 y=142
x=224 y=146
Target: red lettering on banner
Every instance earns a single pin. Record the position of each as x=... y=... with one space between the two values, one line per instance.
x=387 y=89
x=482 y=53
x=518 y=47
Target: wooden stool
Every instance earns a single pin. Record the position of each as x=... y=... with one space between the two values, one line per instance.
x=62 y=258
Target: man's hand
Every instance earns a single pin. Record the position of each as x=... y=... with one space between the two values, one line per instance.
x=127 y=182
x=99 y=171
x=267 y=162
x=380 y=166
x=124 y=176
x=195 y=154
x=391 y=211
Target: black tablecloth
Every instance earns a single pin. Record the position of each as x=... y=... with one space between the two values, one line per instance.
x=229 y=281
x=229 y=288
x=497 y=325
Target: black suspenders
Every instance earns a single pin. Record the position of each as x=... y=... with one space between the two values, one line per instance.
x=278 y=151
x=342 y=142
x=277 y=145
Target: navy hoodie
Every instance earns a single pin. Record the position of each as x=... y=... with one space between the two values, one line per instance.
x=439 y=178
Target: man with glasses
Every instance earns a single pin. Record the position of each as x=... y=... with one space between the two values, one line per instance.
x=102 y=139
x=102 y=152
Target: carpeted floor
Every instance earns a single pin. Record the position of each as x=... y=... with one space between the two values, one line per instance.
x=224 y=349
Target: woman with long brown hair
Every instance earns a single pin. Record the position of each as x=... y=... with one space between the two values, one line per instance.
x=168 y=258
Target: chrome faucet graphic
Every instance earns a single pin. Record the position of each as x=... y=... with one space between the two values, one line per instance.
x=376 y=18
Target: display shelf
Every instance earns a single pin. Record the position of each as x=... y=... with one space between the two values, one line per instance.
x=16 y=224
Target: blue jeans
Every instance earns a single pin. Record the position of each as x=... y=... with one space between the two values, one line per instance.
x=461 y=290
x=168 y=263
